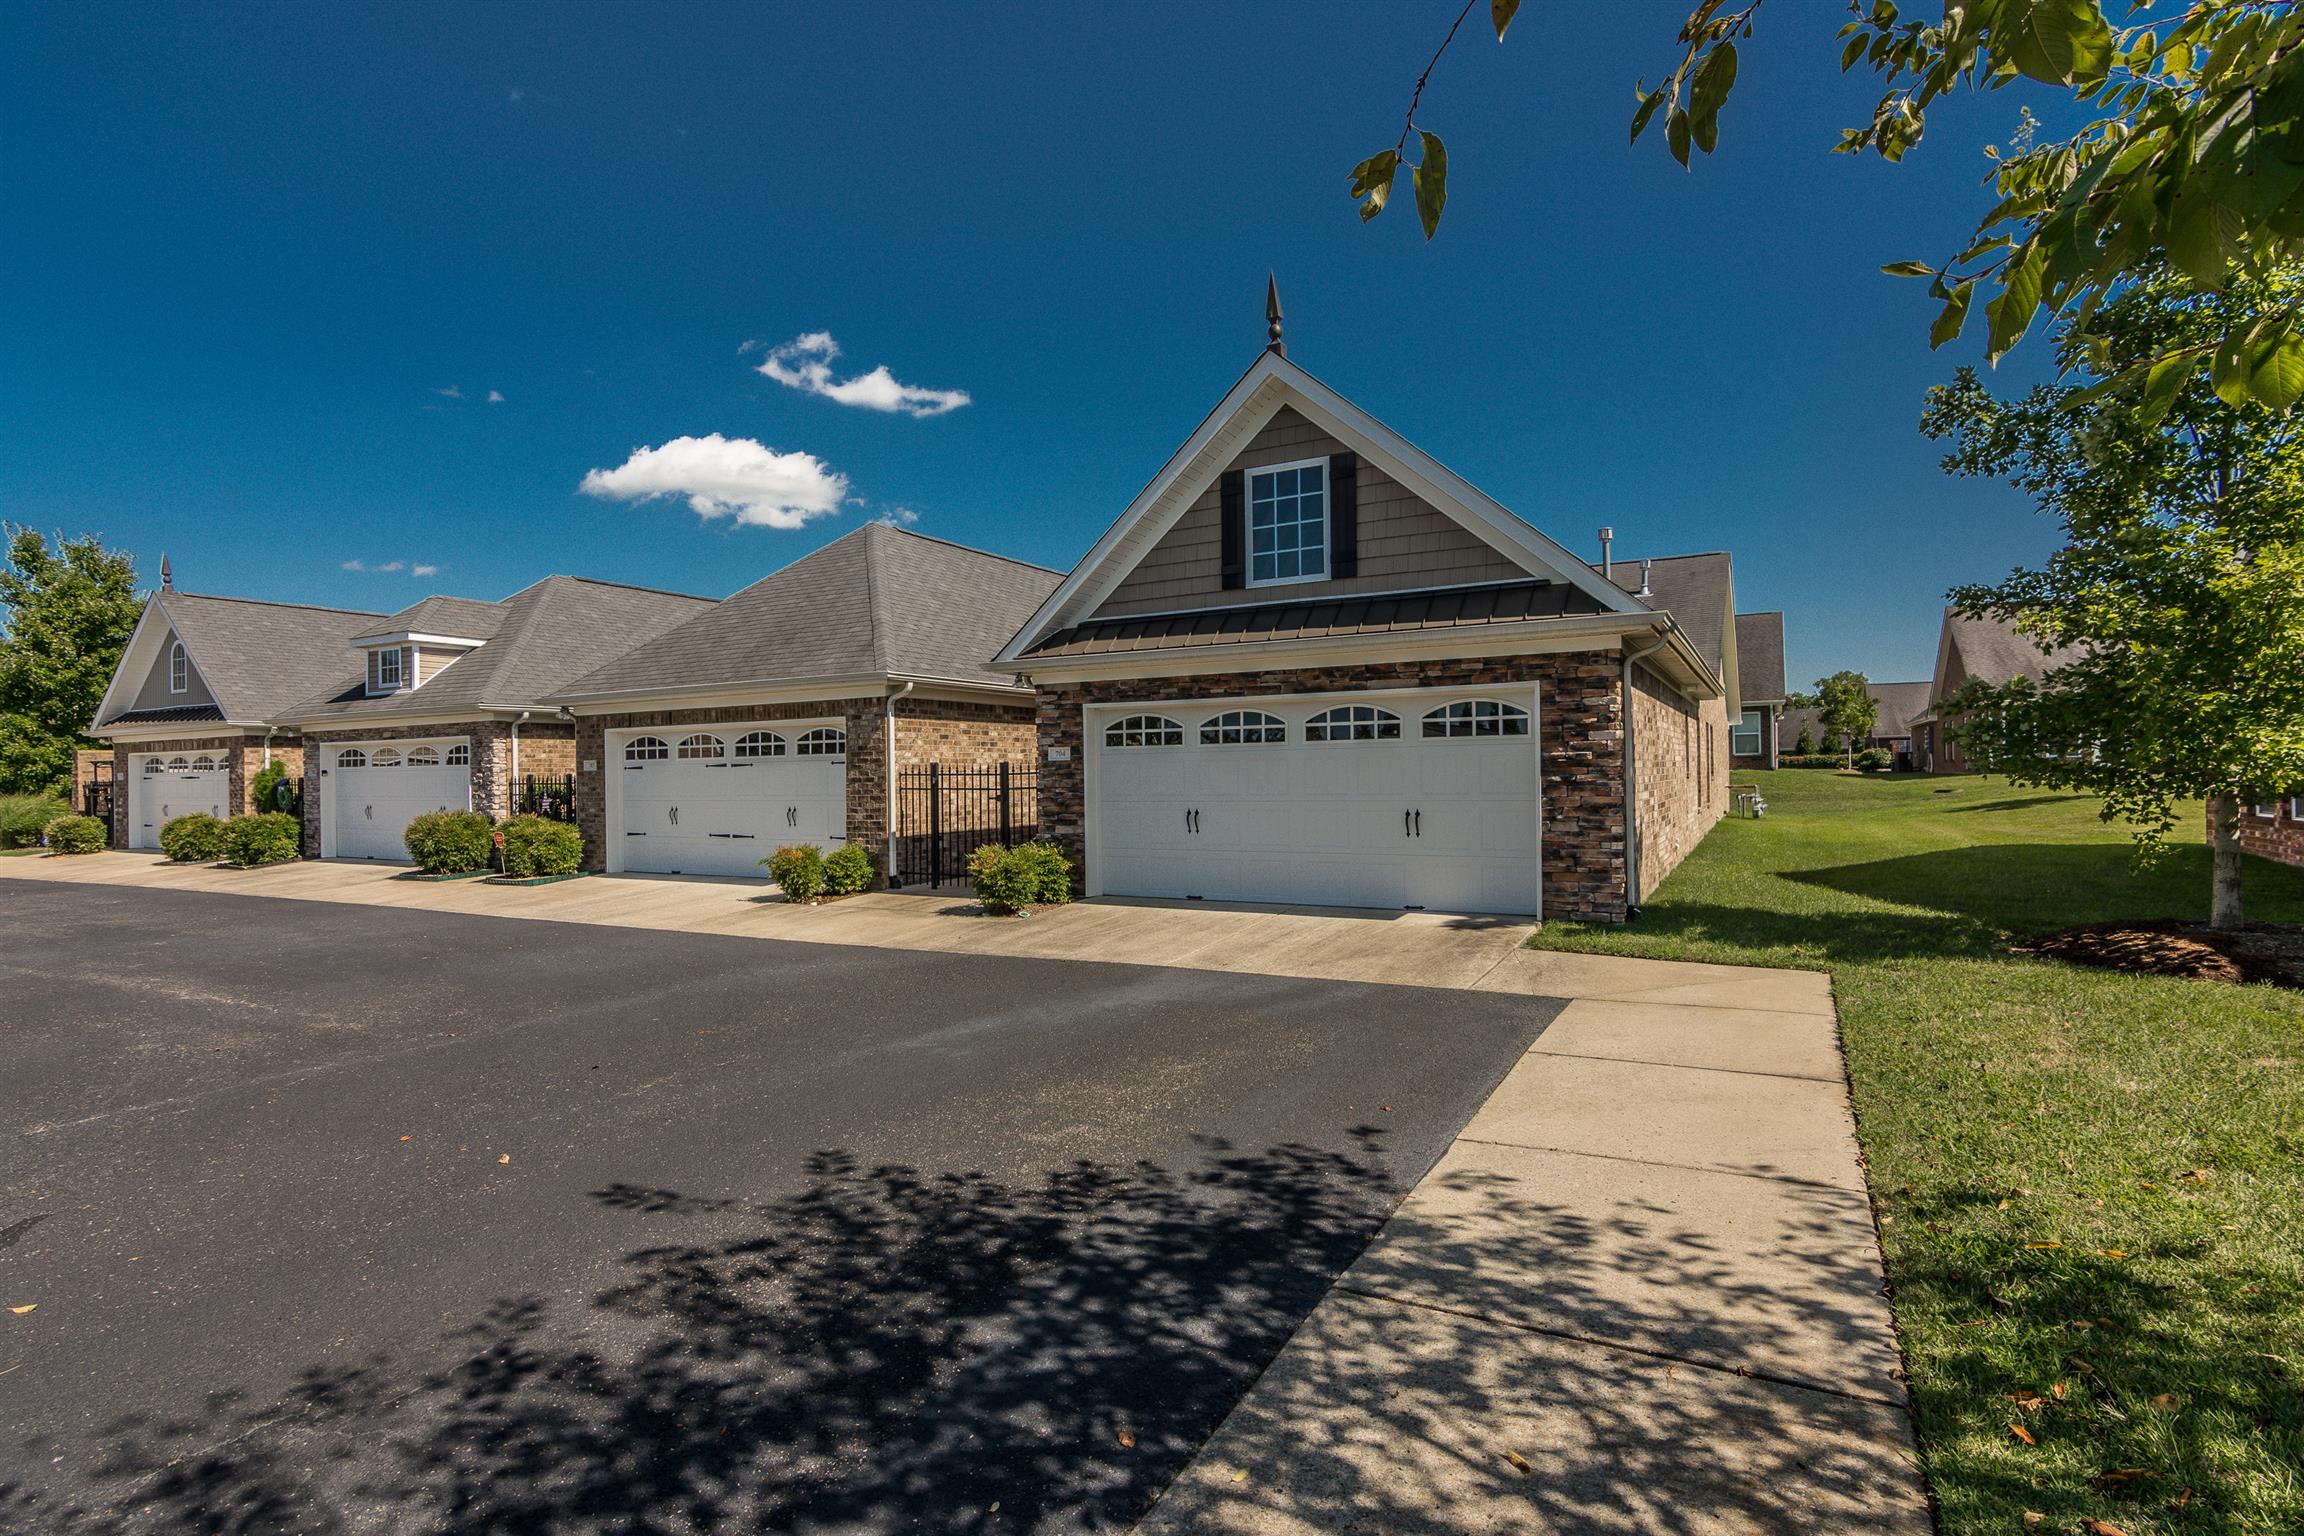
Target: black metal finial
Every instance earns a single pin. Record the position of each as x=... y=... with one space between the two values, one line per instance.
x=167 y=577
x=1272 y=314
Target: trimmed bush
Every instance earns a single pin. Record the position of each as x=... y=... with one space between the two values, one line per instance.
x=24 y=817
x=76 y=834
x=538 y=845
x=268 y=837
x=1875 y=759
x=1016 y=879
x=270 y=790
x=1811 y=760
x=450 y=842
x=798 y=870
x=847 y=870
x=194 y=839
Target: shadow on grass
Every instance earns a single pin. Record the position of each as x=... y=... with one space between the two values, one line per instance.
x=883 y=1350
x=2025 y=803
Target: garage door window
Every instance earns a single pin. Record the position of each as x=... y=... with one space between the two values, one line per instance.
x=824 y=741
x=179 y=765
x=385 y=759
x=1353 y=722
x=352 y=757
x=642 y=749
x=704 y=747
x=154 y=765
x=423 y=757
x=1144 y=731
x=1477 y=717
x=460 y=756
x=760 y=744
x=203 y=765
x=1242 y=727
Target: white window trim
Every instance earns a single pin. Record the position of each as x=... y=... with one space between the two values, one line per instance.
x=1248 y=522
x=1759 y=729
x=2267 y=810
x=376 y=686
x=179 y=668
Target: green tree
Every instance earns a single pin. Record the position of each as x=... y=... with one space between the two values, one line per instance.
x=65 y=616
x=2180 y=586
x=2193 y=146
x=1846 y=709
x=1807 y=743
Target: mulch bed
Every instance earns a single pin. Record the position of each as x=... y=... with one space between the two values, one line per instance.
x=2272 y=952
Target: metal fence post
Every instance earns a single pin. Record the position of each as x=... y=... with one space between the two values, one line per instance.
x=935 y=826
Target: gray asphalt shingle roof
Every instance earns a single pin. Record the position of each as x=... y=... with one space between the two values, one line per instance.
x=258 y=658
x=458 y=618
x=543 y=636
x=1760 y=656
x=1695 y=589
x=879 y=602
x=1994 y=651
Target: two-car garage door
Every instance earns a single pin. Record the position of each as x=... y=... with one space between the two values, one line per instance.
x=690 y=801
x=1423 y=800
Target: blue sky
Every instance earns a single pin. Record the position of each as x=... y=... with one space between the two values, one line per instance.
x=249 y=249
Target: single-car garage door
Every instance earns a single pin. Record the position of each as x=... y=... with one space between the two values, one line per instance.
x=716 y=802
x=1426 y=800
x=163 y=787
x=377 y=788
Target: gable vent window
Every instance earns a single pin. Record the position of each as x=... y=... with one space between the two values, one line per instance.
x=180 y=670
x=384 y=670
x=1288 y=523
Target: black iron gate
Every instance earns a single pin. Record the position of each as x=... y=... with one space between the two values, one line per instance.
x=96 y=799
x=551 y=798
x=945 y=814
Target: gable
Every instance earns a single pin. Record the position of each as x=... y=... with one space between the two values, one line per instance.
x=1405 y=542
x=153 y=691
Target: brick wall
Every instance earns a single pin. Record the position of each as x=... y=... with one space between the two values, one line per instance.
x=948 y=731
x=1681 y=770
x=1581 y=724
x=2281 y=838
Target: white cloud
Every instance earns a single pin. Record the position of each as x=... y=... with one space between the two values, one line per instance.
x=726 y=477
x=495 y=397
x=898 y=517
x=391 y=567
x=423 y=570
x=805 y=363
x=452 y=392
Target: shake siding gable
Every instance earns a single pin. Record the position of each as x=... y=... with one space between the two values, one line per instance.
x=1400 y=541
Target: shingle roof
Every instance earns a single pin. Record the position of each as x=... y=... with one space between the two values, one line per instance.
x=879 y=602
x=459 y=618
x=1695 y=588
x=1899 y=704
x=543 y=636
x=1437 y=608
x=257 y=658
x=1760 y=656
x=1994 y=651
x=168 y=715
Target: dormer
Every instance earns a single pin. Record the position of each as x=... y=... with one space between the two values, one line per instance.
x=404 y=660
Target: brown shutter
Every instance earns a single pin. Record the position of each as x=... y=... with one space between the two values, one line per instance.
x=1344 y=514
x=1232 y=510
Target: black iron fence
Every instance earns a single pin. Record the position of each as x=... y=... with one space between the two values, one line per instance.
x=97 y=799
x=945 y=814
x=551 y=798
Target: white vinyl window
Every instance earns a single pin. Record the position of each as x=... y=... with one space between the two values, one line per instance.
x=2296 y=809
x=1288 y=523
x=1477 y=717
x=641 y=749
x=384 y=670
x=1242 y=727
x=707 y=746
x=387 y=758
x=351 y=757
x=2268 y=810
x=760 y=744
x=459 y=756
x=1353 y=722
x=423 y=757
x=824 y=741
x=1144 y=731
x=1744 y=735
x=180 y=669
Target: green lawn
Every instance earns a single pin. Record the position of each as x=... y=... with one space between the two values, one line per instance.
x=2090 y=1185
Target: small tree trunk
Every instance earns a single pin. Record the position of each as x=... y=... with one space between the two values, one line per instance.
x=2224 y=843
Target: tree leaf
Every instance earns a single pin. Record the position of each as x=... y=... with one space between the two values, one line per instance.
x=2163 y=381
x=1501 y=12
x=2012 y=308
x=1909 y=269
x=2202 y=234
x=1953 y=316
x=1648 y=105
x=1676 y=135
x=2063 y=42
x=2277 y=377
x=1372 y=180
x=1431 y=180
x=1708 y=91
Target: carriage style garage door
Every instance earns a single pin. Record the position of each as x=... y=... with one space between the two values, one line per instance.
x=695 y=801
x=377 y=788
x=163 y=787
x=1424 y=800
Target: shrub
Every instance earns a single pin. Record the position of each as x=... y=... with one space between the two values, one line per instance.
x=194 y=839
x=1810 y=760
x=450 y=842
x=1806 y=745
x=1875 y=759
x=847 y=870
x=76 y=834
x=1015 y=879
x=270 y=789
x=268 y=837
x=538 y=845
x=24 y=817
x=798 y=870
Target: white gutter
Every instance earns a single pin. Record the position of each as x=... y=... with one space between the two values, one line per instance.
x=888 y=789
x=1632 y=781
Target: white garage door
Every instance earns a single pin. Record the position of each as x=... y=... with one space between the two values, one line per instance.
x=377 y=788
x=165 y=786
x=1385 y=800
x=718 y=801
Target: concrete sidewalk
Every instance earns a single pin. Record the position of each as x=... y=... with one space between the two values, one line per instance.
x=1641 y=1294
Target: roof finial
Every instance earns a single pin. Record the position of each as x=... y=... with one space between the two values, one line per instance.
x=167 y=577
x=1272 y=314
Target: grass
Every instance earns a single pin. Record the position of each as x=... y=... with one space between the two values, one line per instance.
x=2090 y=1185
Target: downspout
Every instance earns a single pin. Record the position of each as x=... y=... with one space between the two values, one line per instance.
x=512 y=800
x=1632 y=785
x=888 y=785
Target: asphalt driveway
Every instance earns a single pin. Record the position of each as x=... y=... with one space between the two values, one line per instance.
x=348 y=1219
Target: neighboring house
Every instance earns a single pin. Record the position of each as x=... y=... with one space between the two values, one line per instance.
x=1971 y=650
x=199 y=703
x=1752 y=739
x=783 y=714
x=1311 y=664
x=441 y=706
x=1891 y=725
x=2274 y=829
